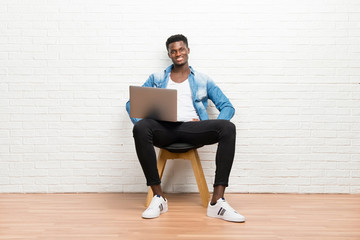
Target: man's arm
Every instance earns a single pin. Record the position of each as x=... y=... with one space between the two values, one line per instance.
x=221 y=102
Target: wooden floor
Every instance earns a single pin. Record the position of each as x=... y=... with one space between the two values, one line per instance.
x=118 y=216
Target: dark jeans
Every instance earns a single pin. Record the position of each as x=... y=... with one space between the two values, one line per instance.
x=149 y=133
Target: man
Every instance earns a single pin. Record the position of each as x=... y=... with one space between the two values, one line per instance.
x=193 y=126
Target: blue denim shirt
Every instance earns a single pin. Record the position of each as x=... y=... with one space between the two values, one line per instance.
x=202 y=88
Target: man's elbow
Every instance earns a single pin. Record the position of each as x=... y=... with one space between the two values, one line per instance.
x=227 y=113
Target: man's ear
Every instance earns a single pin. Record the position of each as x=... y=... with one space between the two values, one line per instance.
x=169 y=54
x=188 y=50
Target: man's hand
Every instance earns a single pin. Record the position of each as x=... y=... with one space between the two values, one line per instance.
x=195 y=120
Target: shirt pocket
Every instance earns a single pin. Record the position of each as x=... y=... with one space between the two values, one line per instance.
x=201 y=95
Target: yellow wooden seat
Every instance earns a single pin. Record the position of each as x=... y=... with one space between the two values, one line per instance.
x=187 y=152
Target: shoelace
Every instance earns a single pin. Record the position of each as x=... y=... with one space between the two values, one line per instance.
x=155 y=204
x=228 y=207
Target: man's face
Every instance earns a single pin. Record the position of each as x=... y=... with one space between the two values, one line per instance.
x=178 y=52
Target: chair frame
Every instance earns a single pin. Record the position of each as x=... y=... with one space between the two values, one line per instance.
x=191 y=155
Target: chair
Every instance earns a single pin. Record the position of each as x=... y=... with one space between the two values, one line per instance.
x=183 y=151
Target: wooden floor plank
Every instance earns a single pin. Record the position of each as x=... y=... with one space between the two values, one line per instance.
x=110 y=216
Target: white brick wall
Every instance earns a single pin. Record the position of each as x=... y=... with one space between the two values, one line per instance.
x=290 y=67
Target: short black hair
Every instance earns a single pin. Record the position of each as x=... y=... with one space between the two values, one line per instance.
x=176 y=38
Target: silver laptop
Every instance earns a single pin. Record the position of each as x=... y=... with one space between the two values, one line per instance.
x=155 y=103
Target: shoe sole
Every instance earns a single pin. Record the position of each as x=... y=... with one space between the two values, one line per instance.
x=220 y=217
x=151 y=217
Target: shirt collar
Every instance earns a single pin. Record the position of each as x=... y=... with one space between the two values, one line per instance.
x=168 y=69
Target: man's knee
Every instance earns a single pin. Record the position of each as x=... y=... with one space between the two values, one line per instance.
x=141 y=127
x=228 y=128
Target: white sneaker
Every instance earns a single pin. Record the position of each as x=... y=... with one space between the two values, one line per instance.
x=224 y=211
x=158 y=205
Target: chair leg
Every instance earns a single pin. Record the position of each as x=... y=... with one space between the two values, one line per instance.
x=191 y=155
x=161 y=166
x=200 y=178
